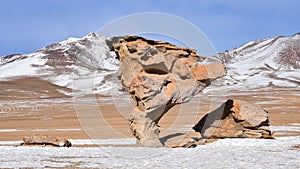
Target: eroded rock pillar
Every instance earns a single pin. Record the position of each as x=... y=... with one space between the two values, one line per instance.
x=159 y=75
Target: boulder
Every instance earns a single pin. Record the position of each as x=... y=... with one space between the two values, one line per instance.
x=235 y=119
x=46 y=140
x=159 y=75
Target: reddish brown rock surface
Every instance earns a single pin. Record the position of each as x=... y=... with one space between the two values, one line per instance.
x=159 y=75
x=235 y=119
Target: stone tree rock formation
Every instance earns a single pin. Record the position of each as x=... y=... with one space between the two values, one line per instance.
x=159 y=75
x=235 y=119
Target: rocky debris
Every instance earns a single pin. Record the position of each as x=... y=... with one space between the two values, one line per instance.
x=159 y=75
x=296 y=147
x=191 y=140
x=46 y=140
x=235 y=119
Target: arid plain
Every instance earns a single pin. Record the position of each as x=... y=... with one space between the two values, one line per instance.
x=33 y=106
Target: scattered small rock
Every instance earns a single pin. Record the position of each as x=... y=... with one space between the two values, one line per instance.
x=45 y=140
x=296 y=147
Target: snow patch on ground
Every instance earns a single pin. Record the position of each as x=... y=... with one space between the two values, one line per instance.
x=119 y=141
x=285 y=128
x=225 y=153
x=8 y=130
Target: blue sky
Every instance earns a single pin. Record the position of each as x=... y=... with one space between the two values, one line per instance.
x=28 y=25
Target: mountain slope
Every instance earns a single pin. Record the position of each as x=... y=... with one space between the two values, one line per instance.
x=84 y=65
x=271 y=62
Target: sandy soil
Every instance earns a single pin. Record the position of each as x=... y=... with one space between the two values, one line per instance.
x=32 y=106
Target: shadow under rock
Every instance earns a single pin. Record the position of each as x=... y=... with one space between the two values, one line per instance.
x=164 y=139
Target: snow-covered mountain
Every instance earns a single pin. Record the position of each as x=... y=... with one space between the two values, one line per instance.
x=87 y=66
x=83 y=64
x=271 y=62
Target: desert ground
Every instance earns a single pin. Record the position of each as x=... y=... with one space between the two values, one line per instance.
x=23 y=111
x=33 y=106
